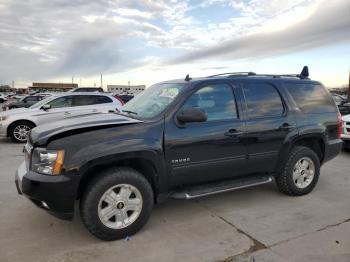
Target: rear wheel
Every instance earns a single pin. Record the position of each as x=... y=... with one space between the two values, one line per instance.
x=300 y=173
x=117 y=203
x=19 y=131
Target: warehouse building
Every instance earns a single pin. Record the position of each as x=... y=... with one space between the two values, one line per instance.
x=51 y=87
x=126 y=89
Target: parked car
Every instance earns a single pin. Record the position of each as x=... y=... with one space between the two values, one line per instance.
x=87 y=89
x=124 y=97
x=342 y=103
x=182 y=139
x=24 y=102
x=3 y=99
x=17 y=123
x=346 y=131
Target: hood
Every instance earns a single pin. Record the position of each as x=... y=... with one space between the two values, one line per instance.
x=42 y=134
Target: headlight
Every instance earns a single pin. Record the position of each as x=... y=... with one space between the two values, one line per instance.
x=47 y=162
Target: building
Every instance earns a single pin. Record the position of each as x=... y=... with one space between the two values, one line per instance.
x=125 y=89
x=51 y=87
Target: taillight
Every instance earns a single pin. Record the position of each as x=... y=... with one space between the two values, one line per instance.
x=340 y=125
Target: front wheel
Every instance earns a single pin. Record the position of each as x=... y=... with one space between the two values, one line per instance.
x=117 y=203
x=300 y=173
x=19 y=131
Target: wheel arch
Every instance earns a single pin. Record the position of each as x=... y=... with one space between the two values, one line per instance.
x=143 y=165
x=16 y=121
x=315 y=142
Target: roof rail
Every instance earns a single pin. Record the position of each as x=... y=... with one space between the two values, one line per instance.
x=235 y=73
x=303 y=75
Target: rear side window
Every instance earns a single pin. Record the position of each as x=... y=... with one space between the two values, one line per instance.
x=60 y=102
x=84 y=100
x=102 y=100
x=263 y=100
x=311 y=98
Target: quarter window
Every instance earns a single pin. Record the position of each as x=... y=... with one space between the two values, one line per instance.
x=263 y=100
x=217 y=101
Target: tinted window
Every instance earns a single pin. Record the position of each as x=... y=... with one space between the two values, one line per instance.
x=102 y=100
x=311 y=98
x=65 y=101
x=217 y=101
x=30 y=99
x=83 y=100
x=263 y=100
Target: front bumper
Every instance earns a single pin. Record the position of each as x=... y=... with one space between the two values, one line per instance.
x=3 y=129
x=55 y=194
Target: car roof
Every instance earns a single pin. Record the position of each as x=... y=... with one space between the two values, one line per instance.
x=239 y=78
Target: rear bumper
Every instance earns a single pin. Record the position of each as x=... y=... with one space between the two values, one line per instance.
x=346 y=140
x=55 y=194
x=332 y=149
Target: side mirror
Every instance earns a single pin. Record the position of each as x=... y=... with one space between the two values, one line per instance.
x=46 y=107
x=191 y=114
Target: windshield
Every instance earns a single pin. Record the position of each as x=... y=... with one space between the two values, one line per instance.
x=42 y=102
x=153 y=100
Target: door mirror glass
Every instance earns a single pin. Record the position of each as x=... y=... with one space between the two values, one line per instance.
x=191 y=114
x=46 y=107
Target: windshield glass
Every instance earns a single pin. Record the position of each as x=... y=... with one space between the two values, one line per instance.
x=153 y=100
x=42 y=102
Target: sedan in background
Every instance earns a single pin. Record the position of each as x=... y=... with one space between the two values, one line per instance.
x=27 y=101
x=17 y=123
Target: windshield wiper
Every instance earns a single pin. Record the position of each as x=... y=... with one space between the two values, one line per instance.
x=129 y=112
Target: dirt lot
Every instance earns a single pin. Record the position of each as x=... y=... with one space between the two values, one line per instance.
x=255 y=224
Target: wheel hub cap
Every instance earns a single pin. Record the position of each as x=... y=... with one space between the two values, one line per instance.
x=120 y=206
x=303 y=172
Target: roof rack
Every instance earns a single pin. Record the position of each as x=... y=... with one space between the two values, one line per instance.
x=235 y=74
x=303 y=75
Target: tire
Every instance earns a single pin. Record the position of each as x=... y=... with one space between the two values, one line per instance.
x=20 y=126
x=301 y=183
x=92 y=205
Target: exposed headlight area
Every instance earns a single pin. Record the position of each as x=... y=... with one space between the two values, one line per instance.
x=47 y=162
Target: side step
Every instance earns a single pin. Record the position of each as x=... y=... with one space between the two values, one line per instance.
x=220 y=187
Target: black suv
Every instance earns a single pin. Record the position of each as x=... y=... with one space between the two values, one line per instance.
x=182 y=139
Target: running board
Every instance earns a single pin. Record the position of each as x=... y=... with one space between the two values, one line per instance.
x=220 y=187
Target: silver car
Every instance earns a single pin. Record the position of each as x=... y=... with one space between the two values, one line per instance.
x=17 y=123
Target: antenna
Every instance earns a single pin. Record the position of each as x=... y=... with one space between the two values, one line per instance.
x=304 y=73
x=188 y=78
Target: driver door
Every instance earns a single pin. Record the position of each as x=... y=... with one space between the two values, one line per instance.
x=210 y=150
x=60 y=109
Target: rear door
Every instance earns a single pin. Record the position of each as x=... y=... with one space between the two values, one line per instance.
x=269 y=122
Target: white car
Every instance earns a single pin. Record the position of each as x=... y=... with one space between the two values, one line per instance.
x=17 y=123
x=2 y=98
x=346 y=131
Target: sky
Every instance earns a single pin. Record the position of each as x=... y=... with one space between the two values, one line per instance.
x=145 y=42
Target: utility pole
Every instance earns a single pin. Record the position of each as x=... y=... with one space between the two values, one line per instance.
x=101 y=82
x=72 y=79
x=349 y=88
x=13 y=84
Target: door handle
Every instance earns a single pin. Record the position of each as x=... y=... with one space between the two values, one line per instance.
x=286 y=126
x=233 y=133
x=67 y=113
x=94 y=110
